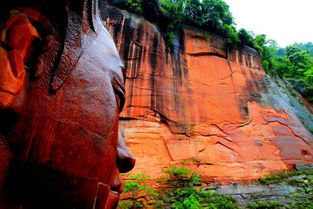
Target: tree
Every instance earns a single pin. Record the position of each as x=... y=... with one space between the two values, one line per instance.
x=308 y=47
x=246 y=38
x=215 y=14
x=193 y=13
x=299 y=58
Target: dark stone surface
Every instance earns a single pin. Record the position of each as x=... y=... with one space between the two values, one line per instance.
x=304 y=166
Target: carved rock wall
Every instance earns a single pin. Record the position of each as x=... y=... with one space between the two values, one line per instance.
x=199 y=101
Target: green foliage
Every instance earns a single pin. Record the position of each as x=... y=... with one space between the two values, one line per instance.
x=191 y=198
x=265 y=205
x=301 y=71
x=246 y=38
x=268 y=50
x=135 y=6
x=191 y=202
x=123 y=205
x=187 y=197
x=292 y=64
x=218 y=201
x=308 y=47
x=301 y=201
x=136 y=190
x=190 y=160
x=133 y=186
x=179 y=176
x=140 y=177
x=299 y=58
x=208 y=15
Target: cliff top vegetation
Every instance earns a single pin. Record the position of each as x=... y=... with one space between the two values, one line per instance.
x=208 y=15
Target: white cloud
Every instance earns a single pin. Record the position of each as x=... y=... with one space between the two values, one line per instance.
x=286 y=21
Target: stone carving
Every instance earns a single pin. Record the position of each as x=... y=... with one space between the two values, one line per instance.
x=61 y=91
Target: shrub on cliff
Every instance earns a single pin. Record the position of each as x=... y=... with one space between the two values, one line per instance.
x=138 y=194
x=182 y=177
x=185 y=196
x=191 y=198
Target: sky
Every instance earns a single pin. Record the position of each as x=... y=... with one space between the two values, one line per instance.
x=285 y=21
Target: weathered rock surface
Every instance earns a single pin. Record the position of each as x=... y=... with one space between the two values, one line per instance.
x=251 y=193
x=203 y=102
x=288 y=191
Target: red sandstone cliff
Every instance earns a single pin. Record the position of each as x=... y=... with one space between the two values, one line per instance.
x=199 y=101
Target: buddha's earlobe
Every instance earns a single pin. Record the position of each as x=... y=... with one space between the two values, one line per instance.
x=16 y=39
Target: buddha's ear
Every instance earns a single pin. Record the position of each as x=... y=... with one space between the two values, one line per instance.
x=16 y=39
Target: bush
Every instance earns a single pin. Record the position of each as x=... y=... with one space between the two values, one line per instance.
x=139 y=194
x=187 y=197
x=190 y=202
x=179 y=176
x=191 y=198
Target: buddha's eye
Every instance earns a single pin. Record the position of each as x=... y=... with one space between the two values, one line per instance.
x=119 y=91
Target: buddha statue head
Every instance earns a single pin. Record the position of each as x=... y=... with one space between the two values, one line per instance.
x=61 y=91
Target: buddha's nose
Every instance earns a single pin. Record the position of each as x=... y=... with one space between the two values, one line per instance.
x=125 y=159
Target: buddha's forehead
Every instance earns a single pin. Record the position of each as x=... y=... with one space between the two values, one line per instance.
x=86 y=42
x=105 y=52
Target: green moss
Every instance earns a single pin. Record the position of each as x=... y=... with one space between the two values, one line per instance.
x=123 y=205
x=273 y=178
x=302 y=199
x=140 y=177
x=265 y=205
x=191 y=160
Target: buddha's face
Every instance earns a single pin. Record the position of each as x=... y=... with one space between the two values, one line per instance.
x=72 y=135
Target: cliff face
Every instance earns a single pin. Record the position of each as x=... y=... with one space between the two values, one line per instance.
x=200 y=102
